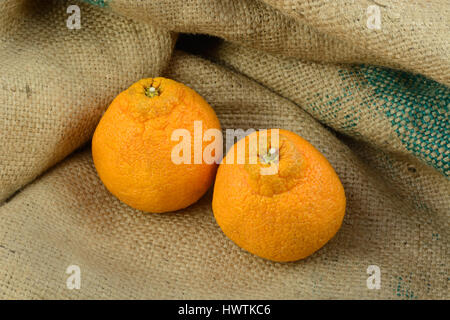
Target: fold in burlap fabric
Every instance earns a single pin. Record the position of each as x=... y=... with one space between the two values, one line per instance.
x=374 y=102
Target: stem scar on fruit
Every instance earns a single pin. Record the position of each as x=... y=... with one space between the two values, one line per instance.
x=151 y=92
x=272 y=156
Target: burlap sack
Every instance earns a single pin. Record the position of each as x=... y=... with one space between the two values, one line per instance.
x=55 y=82
x=282 y=64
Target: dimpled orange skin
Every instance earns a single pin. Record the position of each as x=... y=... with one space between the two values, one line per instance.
x=282 y=217
x=132 y=146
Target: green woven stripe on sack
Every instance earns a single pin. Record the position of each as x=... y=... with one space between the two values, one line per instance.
x=99 y=3
x=327 y=107
x=418 y=109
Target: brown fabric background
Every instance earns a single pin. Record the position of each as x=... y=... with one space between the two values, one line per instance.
x=276 y=63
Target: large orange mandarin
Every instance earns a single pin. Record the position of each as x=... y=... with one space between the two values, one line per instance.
x=132 y=146
x=283 y=216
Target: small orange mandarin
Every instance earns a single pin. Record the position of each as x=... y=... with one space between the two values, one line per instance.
x=132 y=146
x=283 y=216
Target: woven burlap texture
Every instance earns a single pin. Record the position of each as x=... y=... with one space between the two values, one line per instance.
x=288 y=64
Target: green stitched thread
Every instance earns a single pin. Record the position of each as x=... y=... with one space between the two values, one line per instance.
x=403 y=289
x=99 y=3
x=327 y=107
x=418 y=109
